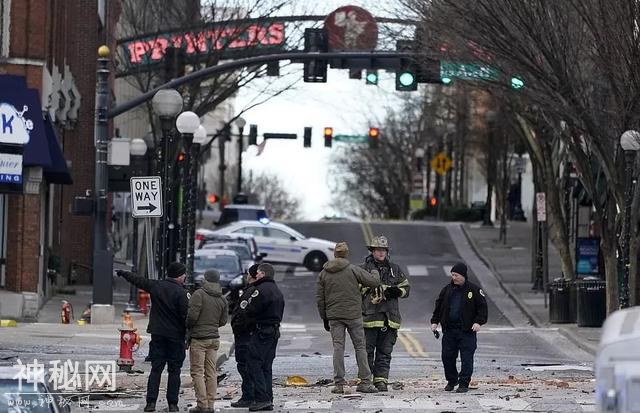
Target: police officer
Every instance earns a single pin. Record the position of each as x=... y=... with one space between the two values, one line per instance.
x=461 y=308
x=265 y=306
x=242 y=326
x=167 y=326
x=381 y=310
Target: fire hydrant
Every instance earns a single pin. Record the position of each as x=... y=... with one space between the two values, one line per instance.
x=143 y=301
x=127 y=321
x=129 y=343
x=66 y=312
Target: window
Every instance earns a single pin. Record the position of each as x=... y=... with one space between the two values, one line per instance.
x=255 y=231
x=5 y=20
x=276 y=233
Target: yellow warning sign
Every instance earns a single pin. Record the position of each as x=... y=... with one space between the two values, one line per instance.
x=441 y=163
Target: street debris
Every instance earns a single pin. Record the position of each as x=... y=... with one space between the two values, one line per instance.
x=324 y=382
x=296 y=381
x=557 y=367
x=397 y=386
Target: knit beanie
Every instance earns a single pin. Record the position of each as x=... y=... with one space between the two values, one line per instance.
x=212 y=276
x=176 y=269
x=460 y=268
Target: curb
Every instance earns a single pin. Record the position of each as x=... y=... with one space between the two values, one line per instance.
x=532 y=318
x=8 y=323
x=569 y=335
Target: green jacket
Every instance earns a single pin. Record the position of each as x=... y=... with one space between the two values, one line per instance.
x=208 y=310
x=387 y=312
x=338 y=290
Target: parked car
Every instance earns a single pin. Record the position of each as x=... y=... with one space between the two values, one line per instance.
x=225 y=261
x=283 y=244
x=39 y=401
x=206 y=236
x=240 y=212
x=241 y=249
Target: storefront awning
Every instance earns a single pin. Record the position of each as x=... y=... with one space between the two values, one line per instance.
x=58 y=172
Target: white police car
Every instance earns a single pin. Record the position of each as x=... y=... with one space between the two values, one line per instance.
x=283 y=244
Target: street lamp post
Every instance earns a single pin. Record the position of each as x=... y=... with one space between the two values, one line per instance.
x=491 y=118
x=630 y=143
x=240 y=123
x=226 y=135
x=187 y=124
x=137 y=150
x=198 y=139
x=167 y=103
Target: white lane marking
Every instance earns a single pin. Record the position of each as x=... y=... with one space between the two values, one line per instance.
x=418 y=270
x=511 y=404
x=296 y=328
x=307 y=404
x=447 y=270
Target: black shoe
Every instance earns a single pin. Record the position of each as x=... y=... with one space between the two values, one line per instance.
x=242 y=403
x=260 y=406
x=150 y=407
x=381 y=386
x=462 y=389
x=450 y=386
x=173 y=407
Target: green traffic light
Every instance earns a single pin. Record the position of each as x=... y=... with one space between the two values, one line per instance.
x=446 y=80
x=372 y=78
x=517 y=83
x=407 y=79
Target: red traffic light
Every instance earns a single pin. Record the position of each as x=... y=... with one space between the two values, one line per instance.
x=374 y=132
x=212 y=198
x=181 y=156
x=433 y=201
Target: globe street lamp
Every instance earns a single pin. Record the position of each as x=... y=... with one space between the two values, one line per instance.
x=187 y=124
x=240 y=123
x=137 y=149
x=167 y=103
x=630 y=143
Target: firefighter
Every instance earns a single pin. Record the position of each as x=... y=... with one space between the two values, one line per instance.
x=381 y=310
x=461 y=308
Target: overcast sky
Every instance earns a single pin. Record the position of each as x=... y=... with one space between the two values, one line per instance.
x=349 y=106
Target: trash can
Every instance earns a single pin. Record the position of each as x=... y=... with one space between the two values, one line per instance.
x=592 y=302
x=562 y=301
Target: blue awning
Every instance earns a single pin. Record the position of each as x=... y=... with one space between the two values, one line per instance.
x=58 y=172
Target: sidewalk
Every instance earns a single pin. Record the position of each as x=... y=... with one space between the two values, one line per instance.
x=511 y=263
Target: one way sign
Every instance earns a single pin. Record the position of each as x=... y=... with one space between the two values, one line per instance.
x=146 y=195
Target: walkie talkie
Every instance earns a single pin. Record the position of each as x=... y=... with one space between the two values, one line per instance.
x=436 y=333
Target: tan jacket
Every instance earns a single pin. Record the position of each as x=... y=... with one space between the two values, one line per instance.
x=208 y=310
x=338 y=290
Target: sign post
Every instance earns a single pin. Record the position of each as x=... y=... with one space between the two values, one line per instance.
x=542 y=263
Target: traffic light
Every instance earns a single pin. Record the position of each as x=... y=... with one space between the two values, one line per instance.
x=212 y=198
x=407 y=74
x=328 y=137
x=433 y=201
x=253 y=134
x=315 y=40
x=374 y=134
x=355 y=73
x=181 y=156
x=307 y=137
x=516 y=82
x=372 y=77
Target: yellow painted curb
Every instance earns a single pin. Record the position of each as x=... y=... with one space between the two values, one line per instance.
x=8 y=323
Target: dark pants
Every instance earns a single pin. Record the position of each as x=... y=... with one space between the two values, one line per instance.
x=456 y=340
x=262 y=351
x=242 y=359
x=380 y=342
x=169 y=351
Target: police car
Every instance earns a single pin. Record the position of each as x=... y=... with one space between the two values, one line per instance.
x=283 y=244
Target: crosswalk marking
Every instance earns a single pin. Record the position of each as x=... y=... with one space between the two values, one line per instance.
x=418 y=270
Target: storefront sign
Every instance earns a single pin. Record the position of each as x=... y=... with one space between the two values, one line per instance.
x=151 y=49
x=10 y=168
x=14 y=126
x=587 y=256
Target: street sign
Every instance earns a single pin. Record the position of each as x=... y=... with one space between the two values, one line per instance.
x=541 y=206
x=351 y=138
x=441 y=163
x=146 y=197
x=467 y=71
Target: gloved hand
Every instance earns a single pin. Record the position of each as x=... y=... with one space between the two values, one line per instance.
x=377 y=295
x=122 y=273
x=392 y=292
x=326 y=325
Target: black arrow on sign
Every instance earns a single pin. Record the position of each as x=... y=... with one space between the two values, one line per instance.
x=149 y=208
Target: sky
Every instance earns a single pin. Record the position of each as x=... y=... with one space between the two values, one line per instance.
x=348 y=106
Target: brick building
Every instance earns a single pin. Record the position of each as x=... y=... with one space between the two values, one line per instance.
x=48 y=49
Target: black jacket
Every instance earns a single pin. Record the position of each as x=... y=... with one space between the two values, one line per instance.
x=474 y=306
x=169 y=305
x=241 y=322
x=265 y=303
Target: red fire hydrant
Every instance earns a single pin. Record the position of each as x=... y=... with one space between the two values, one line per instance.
x=143 y=301
x=66 y=312
x=129 y=343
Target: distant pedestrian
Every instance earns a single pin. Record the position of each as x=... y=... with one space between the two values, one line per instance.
x=381 y=309
x=340 y=307
x=242 y=325
x=167 y=326
x=265 y=306
x=208 y=310
x=461 y=308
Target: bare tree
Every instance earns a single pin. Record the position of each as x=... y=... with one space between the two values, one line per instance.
x=269 y=190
